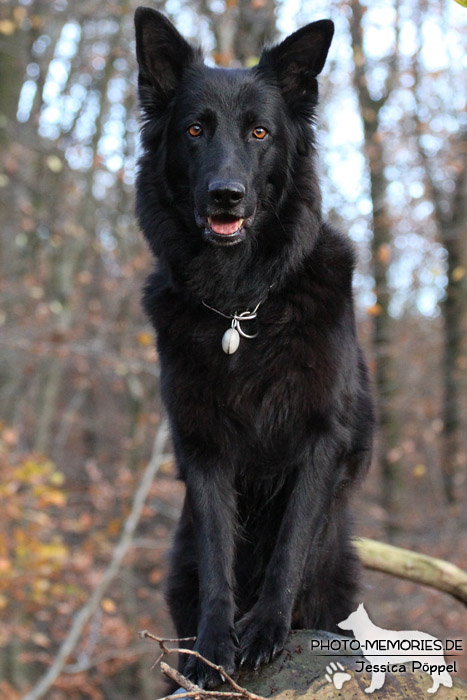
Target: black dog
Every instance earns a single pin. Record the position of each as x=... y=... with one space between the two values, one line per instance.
x=271 y=420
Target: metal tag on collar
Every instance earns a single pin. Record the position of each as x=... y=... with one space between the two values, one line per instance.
x=231 y=337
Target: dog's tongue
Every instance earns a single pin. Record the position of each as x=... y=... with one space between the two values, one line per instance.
x=223 y=227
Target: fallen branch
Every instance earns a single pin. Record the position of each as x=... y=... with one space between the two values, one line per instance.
x=194 y=691
x=419 y=568
x=84 y=614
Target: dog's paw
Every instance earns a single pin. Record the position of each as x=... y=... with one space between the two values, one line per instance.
x=216 y=647
x=261 y=637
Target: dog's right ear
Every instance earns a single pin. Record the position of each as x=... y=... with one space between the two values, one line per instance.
x=162 y=55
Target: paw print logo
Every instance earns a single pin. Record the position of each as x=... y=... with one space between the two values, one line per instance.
x=337 y=675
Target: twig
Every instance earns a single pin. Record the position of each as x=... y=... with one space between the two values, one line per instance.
x=194 y=690
x=83 y=615
x=179 y=678
x=202 y=693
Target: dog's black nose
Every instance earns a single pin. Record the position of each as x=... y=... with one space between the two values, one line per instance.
x=226 y=193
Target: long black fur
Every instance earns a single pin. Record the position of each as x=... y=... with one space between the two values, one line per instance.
x=269 y=439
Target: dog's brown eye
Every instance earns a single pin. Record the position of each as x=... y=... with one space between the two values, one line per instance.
x=195 y=130
x=259 y=132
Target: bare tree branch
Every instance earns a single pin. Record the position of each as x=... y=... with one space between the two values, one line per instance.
x=413 y=566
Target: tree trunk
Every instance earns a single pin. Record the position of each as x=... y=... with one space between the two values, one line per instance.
x=256 y=26
x=242 y=30
x=453 y=308
x=385 y=381
x=450 y=222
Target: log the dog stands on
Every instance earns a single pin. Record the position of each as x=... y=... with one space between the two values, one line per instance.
x=317 y=665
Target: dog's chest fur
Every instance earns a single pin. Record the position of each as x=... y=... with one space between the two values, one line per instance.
x=277 y=387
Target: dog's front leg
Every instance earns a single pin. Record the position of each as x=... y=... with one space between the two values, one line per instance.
x=263 y=630
x=212 y=503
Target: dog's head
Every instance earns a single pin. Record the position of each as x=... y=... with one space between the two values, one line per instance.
x=230 y=137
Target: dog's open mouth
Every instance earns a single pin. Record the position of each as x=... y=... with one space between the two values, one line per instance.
x=224 y=225
x=223 y=229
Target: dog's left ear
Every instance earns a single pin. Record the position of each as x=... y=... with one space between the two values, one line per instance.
x=297 y=60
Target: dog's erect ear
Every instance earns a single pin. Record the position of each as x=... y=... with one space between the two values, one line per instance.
x=299 y=59
x=161 y=51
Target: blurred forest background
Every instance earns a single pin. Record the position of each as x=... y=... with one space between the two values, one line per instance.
x=79 y=395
